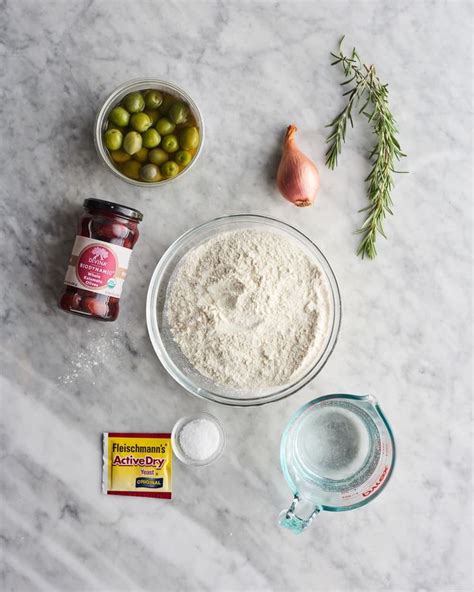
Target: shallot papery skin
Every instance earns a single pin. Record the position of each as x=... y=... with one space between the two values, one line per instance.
x=297 y=177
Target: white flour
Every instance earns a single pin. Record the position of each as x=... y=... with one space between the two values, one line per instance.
x=249 y=309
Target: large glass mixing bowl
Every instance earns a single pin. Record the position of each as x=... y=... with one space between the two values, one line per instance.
x=168 y=350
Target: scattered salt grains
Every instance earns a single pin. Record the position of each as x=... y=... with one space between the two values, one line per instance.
x=199 y=439
x=101 y=348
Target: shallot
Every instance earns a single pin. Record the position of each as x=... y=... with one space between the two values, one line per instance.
x=297 y=177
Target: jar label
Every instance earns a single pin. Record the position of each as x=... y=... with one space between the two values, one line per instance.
x=97 y=266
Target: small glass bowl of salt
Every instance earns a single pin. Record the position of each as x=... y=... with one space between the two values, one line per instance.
x=198 y=439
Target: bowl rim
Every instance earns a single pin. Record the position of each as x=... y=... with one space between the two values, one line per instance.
x=141 y=84
x=181 y=378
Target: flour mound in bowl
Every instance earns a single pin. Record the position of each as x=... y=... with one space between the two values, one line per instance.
x=249 y=309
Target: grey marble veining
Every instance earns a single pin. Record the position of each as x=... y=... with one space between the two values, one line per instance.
x=253 y=67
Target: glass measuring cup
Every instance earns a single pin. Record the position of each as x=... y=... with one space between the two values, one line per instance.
x=337 y=453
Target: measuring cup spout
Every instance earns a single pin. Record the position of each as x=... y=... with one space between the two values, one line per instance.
x=289 y=519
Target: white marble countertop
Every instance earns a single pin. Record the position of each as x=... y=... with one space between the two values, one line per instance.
x=253 y=67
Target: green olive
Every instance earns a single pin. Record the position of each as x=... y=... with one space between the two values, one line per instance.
x=170 y=143
x=141 y=155
x=113 y=139
x=168 y=100
x=119 y=156
x=132 y=142
x=151 y=138
x=112 y=125
x=165 y=126
x=134 y=102
x=189 y=138
x=119 y=116
x=131 y=168
x=178 y=112
x=183 y=157
x=150 y=172
x=158 y=156
x=169 y=169
x=153 y=114
x=153 y=99
x=140 y=122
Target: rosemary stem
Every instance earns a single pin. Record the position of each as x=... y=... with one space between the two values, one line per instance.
x=368 y=88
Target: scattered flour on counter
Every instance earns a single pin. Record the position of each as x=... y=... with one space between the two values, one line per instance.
x=249 y=308
x=100 y=348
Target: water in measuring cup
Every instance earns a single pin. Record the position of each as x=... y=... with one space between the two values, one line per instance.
x=333 y=443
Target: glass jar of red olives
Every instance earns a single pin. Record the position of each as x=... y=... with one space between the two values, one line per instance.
x=98 y=265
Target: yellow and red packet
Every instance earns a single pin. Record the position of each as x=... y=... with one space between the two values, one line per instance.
x=137 y=464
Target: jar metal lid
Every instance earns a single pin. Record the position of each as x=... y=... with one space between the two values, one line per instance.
x=102 y=204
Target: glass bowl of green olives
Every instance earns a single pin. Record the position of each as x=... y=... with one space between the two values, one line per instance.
x=149 y=132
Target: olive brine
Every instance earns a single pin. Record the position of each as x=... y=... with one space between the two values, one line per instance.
x=151 y=136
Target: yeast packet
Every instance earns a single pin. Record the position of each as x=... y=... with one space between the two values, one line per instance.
x=137 y=464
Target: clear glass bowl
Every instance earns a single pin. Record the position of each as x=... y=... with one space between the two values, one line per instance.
x=179 y=425
x=168 y=350
x=115 y=97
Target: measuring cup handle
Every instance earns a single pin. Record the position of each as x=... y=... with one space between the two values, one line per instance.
x=289 y=519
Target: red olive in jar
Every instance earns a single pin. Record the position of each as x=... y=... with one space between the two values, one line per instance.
x=99 y=260
x=95 y=307
x=102 y=228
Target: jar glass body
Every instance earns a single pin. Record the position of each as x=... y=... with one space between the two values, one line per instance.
x=107 y=226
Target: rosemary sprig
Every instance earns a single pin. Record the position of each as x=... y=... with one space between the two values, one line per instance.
x=373 y=95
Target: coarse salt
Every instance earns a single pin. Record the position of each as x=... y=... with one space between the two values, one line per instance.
x=199 y=439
